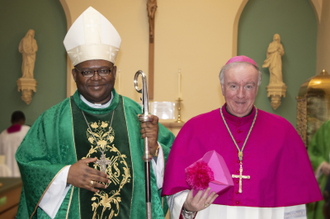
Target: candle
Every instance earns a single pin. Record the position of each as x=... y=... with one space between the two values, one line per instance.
x=179 y=84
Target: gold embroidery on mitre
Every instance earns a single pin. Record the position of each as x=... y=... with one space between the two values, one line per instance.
x=83 y=53
x=109 y=201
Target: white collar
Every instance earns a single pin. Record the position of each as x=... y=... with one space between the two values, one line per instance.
x=97 y=105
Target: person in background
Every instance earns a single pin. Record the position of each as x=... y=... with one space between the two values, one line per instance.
x=11 y=138
x=319 y=155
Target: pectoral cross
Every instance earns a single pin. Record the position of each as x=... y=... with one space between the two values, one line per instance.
x=103 y=162
x=240 y=176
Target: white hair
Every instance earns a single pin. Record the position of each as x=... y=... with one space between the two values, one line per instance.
x=230 y=65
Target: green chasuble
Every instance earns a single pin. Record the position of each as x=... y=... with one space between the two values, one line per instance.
x=319 y=152
x=60 y=137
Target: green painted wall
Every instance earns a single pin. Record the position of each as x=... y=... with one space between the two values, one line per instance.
x=48 y=20
x=296 y=23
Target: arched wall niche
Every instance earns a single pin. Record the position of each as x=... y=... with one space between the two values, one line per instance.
x=235 y=28
x=70 y=83
x=316 y=4
x=298 y=30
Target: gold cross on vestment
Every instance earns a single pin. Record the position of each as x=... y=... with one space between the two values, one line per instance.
x=103 y=162
x=240 y=176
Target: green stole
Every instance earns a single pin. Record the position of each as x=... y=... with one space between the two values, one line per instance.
x=114 y=201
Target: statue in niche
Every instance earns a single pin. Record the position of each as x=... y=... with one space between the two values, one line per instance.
x=28 y=47
x=151 y=7
x=276 y=87
x=275 y=52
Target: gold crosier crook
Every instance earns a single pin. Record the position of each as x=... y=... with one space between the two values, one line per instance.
x=144 y=118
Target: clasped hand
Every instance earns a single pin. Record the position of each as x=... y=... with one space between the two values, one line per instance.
x=82 y=176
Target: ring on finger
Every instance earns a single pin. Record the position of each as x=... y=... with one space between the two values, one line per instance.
x=91 y=183
x=206 y=205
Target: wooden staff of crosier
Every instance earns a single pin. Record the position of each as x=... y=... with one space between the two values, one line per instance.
x=144 y=118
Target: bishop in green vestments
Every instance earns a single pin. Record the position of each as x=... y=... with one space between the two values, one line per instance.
x=82 y=158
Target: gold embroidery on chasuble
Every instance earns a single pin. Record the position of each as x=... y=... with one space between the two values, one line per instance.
x=118 y=170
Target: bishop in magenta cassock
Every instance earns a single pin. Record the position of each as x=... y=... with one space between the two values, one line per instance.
x=261 y=148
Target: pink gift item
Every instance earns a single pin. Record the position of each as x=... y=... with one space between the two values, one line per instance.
x=209 y=171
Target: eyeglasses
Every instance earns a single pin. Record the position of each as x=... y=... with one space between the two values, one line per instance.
x=88 y=73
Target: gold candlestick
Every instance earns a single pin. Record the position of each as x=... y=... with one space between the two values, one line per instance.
x=179 y=111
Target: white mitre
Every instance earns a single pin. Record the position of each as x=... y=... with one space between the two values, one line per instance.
x=92 y=37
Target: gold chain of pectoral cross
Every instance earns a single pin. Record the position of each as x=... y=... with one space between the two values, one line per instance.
x=240 y=152
x=103 y=162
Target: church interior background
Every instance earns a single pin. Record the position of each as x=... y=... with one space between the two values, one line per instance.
x=192 y=37
x=197 y=37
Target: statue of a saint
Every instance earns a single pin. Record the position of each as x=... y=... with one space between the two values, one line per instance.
x=28 y=47
x=151 y=7
x=274 y=62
